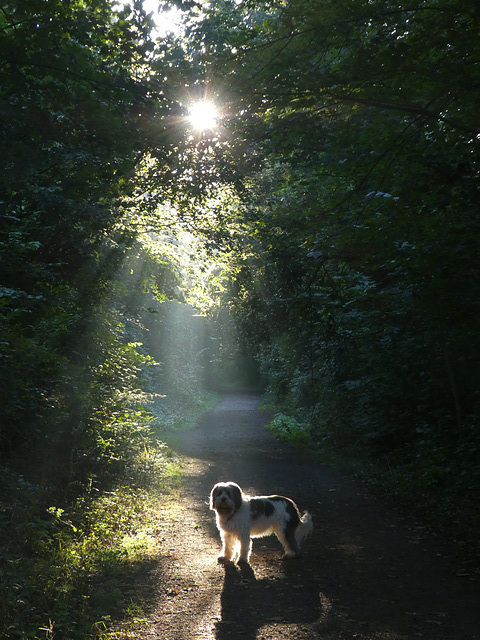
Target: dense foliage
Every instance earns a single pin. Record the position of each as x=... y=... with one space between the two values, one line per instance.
x=92 y=138
x=84 y=112
x=67 y=140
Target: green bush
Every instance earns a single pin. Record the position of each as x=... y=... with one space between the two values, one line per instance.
x=290 y=429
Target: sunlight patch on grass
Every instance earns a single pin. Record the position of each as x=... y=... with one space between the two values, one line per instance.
x=140 y=544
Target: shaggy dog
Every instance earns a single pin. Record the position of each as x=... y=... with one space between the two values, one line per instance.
x=241 y=517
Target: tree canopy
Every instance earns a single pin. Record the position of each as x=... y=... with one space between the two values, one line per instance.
x=358 y=286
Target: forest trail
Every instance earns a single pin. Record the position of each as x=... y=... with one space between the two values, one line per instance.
x=365 y=573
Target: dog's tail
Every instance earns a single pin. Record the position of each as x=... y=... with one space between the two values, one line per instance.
x=304 y=528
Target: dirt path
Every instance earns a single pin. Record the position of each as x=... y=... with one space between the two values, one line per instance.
x=364 y=574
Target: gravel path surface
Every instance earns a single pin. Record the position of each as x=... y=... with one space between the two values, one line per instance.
x=365 y=573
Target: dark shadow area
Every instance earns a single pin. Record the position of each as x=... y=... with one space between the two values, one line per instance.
x=248 y=603
x=132 y=586
x=109 y=597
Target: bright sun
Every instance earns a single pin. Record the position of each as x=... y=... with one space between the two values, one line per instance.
x=203 y=115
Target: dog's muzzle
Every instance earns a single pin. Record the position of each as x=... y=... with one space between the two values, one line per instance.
x=223 y=507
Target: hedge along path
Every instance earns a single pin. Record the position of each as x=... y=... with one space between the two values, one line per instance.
x=365 y=573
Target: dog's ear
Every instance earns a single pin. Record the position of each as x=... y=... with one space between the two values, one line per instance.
x=212 y=497
x=236 y=494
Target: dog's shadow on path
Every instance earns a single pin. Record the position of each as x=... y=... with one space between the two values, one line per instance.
x=249 y=603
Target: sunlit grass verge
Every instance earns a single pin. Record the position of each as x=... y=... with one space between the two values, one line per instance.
x=174 y=416
x=68 y=573
x=180 y=413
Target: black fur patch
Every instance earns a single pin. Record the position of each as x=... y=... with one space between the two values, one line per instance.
x=292 y=510
x=260 y=507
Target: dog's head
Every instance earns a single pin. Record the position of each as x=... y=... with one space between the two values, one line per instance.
x=226 y=498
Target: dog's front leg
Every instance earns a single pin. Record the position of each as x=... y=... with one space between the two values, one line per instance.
x=228 y=546
x=245 y=548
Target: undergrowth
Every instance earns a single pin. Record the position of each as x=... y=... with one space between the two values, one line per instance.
x=67 y=566
x=290 y=429
x=65 y=571
x=438 y=486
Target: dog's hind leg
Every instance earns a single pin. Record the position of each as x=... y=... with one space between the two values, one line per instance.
x=288 y=540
